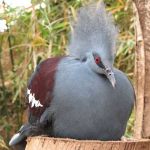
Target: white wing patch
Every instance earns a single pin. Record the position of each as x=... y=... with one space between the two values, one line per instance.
x=32 y=100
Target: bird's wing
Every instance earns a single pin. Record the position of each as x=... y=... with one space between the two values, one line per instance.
x=40 y=88
x=39 y=96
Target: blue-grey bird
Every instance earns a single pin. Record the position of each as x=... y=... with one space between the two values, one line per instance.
x=82 y=95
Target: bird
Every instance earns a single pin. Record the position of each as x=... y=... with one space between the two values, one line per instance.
x=81 y=95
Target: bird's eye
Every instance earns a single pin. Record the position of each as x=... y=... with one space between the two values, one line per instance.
x=97 y=59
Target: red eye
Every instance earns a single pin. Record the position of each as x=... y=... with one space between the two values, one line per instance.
x=97 y=59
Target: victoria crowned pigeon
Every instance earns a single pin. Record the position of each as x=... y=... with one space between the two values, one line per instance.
x=81 y=96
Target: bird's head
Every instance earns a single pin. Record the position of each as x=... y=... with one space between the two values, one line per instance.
x=102 y=66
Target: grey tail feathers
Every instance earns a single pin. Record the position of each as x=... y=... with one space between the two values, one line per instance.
x=93 y=30
x=20 y=135
x=25 y=131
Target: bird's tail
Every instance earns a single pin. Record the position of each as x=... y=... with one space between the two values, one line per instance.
x=21 y=135
x=92 y=30
x=26 y=130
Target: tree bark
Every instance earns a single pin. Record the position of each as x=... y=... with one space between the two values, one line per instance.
x=46 y=143
x=140 y=75
x=146 y=35
x=142 y=26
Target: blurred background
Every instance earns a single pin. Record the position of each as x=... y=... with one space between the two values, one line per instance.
x=31 y=31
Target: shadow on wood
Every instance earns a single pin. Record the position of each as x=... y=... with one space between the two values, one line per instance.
x=46 y=143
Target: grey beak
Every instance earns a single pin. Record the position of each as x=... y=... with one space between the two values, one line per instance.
x=110 y=75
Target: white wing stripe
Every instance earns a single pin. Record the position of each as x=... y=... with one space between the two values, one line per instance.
x=32 y=100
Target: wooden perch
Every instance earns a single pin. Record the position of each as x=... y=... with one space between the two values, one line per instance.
x=46 y=143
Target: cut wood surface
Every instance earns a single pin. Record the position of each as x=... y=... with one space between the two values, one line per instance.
x=46 y=143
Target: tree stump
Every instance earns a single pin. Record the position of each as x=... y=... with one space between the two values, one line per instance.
x=46 y=143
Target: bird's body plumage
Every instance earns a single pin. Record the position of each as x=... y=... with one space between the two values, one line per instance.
x=91 y=111
x=81 y=95
x=98 y=111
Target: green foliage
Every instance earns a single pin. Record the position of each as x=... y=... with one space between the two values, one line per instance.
x=36 y=34
x=3 y=145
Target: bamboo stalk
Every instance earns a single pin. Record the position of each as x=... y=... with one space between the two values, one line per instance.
x=1 y=73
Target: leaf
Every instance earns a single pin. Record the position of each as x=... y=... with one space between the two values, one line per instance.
x=3 y=144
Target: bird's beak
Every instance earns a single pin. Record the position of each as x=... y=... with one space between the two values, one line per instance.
x=110 y=75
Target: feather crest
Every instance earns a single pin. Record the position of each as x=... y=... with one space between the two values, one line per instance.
x=93 y=30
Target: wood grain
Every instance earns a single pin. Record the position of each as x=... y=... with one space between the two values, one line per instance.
x=142 y=28
x=139 y=73
x=46 y=143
